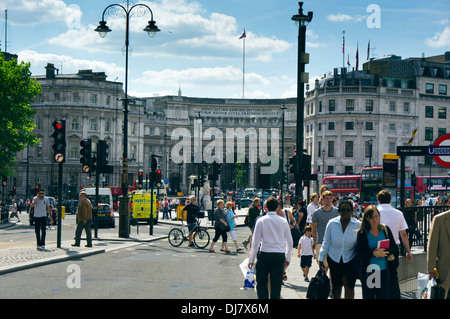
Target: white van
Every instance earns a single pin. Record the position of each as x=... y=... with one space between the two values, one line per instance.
x=104 y=195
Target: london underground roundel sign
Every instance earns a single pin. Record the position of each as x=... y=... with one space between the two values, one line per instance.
x=443 y=142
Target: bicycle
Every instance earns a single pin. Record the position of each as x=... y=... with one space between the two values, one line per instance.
x=177 y=235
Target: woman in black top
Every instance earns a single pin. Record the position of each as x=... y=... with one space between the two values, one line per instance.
x=220 y=226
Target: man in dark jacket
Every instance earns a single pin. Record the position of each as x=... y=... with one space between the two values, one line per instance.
x=84 y=220
x=253 y=212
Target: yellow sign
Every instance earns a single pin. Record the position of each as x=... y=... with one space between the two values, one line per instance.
x=390 y=156
x=141 y=206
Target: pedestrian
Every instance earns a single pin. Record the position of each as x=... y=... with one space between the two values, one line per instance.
x=320 y=220
x=393 y=218
x=42 y=211
x=339 y=247
x=253 y=212
x=231 y=216
x=84 y=220
x=14 y=211
x=221 y=227
x=312 y=206
x=373 y=259
x=165 y=208
x=306 y=252
x=438 y=252
x=192 y=211
x=272 y=247
x=302 y=215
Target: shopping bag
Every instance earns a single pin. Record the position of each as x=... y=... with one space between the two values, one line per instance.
x=249 y=282
x=319 y=287
x=423 y=286
x=244 y=267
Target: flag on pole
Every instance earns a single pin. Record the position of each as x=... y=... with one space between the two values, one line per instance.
x=348 y=60
x=412 y=137
x=368 y=51
x=243 y=35
x=357 y=57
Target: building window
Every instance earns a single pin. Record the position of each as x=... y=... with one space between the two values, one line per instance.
x=320 y=106
x=348 y=169
x=392 y=106
x=332 y=105
x=108 y=100
x=429 y=112
x=330 y=148
x=442 y=113
x=348 y=148
x=320 y=127
x=330 y=169
x=76 y=97
x=331 y=126
x=391 y=147
x=74 y=149
x=369 y=126
x=349 y=104
x=429 y=88
x=443 y=89
x=349 y=126
x=57 y=96
x=369 y=105
x=442 y=131
x=108 y=125
x=392 y=127
x=406 y=107
x=94 y=98
x=39 y=149
x=74 y=125
x=428 y=134
x=93 y=125
x=133 y=128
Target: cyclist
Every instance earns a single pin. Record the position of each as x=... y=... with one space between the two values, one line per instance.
x=192 y=210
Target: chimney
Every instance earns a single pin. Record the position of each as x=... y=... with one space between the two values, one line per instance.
x=50 y=71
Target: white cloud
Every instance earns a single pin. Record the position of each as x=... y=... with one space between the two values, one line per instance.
x=440 y=39
x=31 y=12
x=341 y=17
x=69 y=65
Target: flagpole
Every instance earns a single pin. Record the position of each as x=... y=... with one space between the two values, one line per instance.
x=343 y=49
x=243 y=68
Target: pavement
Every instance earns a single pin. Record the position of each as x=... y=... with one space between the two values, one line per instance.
x=16 y=256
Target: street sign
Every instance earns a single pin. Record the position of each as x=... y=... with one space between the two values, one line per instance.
x=390 y=170
x=411 y=150
x=59 y=158
x=441 y=150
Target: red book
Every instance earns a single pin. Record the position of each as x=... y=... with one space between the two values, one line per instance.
x=383 y=244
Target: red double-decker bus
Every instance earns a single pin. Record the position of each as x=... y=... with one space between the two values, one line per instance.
x=438 y=184
x=343 y=185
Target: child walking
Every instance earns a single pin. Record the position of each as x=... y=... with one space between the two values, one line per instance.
x=306 y=251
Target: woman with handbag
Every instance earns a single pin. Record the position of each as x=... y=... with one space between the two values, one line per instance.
x=373 y=259
x=221 y=227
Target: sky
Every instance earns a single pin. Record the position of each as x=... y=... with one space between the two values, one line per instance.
x=199 y=50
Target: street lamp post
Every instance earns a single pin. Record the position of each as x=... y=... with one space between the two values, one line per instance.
x=103 y=30
x=301 y=21
x=370 y=152
x=283 y=175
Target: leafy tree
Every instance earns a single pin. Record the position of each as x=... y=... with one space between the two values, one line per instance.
x=17 y=91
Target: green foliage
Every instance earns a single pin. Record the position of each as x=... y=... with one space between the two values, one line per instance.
x=17 y=92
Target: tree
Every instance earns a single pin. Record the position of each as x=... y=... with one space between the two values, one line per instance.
x=17 y=92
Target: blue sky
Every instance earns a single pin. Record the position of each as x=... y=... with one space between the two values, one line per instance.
x=199 y=47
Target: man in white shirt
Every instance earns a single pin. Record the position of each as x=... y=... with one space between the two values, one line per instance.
x=311 y=208
x=41 y=205
x=272 y=241
x=394 y=219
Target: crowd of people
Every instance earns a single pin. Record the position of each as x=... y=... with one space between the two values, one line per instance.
x=346 y=247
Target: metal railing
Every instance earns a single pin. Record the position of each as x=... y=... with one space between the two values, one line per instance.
x=419 y=220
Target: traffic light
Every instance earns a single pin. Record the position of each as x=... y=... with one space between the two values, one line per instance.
x=102 y=156
x=217 y=169
x=86 y=155
x=158 y=176
x=293 y=165
x=305 y=171
x=140 y=180
x=413 y=180
x=59 y=140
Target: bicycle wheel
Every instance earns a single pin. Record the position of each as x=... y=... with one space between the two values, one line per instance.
x=201 y=238
x=175 y=237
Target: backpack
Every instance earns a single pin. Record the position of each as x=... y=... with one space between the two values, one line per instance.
x=319 y=287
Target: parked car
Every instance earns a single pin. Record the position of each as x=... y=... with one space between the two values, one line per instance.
x=245 y=203
x=105 y=216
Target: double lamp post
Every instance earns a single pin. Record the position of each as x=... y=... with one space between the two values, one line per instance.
x=103 y=29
